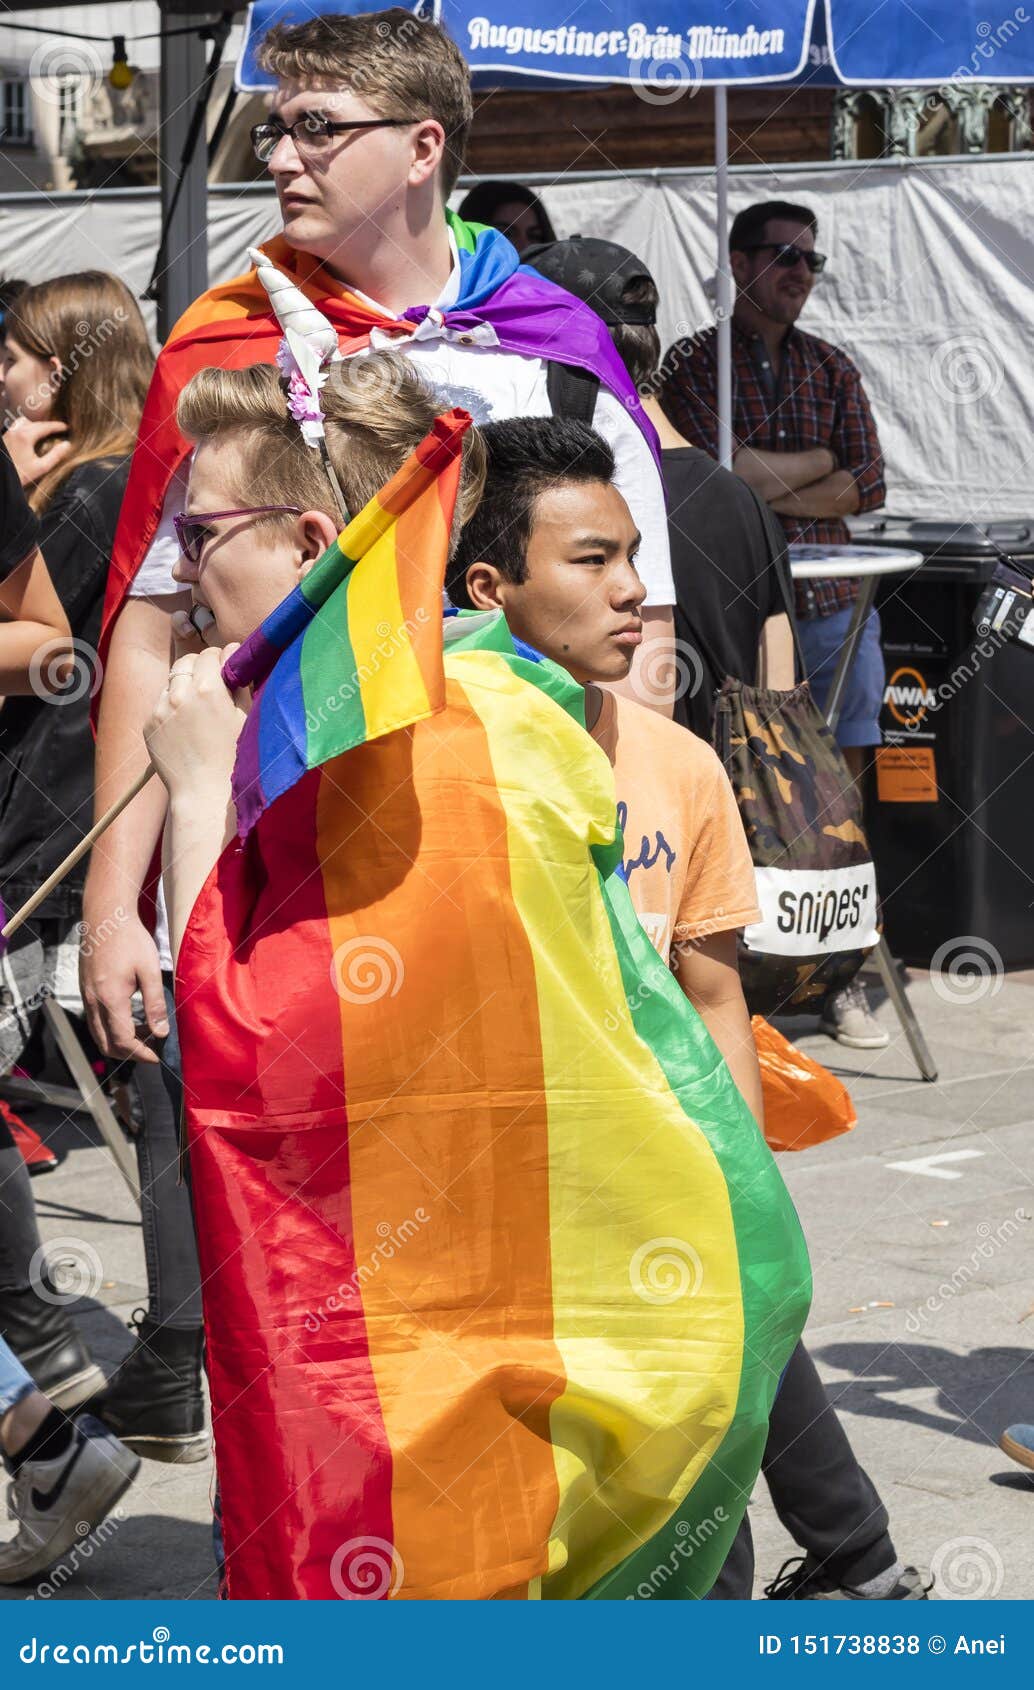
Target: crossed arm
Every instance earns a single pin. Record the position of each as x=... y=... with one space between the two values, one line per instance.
x=801 y=484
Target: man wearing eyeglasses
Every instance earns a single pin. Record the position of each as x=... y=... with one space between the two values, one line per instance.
x=804 y=438
x=364 y=143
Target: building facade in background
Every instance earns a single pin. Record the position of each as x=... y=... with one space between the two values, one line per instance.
x=65 y=122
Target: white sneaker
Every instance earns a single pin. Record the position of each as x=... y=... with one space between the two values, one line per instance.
x=846 y=1017
x=58 y=1503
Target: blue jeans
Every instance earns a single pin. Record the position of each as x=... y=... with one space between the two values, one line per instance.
x=821 y=638
x=14 y=1381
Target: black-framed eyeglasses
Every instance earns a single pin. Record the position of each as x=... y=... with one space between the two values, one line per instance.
x=787 y=254
x=313 y=132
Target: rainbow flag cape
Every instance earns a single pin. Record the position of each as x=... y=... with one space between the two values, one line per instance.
x=233 y=325
x=499 y=1275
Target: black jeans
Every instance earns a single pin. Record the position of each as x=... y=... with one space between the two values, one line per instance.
x=170 y=1248
x=19 y=1233
x=823 y=1497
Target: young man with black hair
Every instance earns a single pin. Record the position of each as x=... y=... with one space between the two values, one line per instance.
x=806 y=441
x=553 y=546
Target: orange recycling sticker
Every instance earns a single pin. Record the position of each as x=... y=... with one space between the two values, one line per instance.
x=906 y=774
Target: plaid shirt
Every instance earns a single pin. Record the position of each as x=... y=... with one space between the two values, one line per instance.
x=816 y=400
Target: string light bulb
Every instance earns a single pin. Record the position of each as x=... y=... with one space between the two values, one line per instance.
x=121 y=73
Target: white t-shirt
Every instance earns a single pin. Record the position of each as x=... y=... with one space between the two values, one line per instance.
x=469 y=370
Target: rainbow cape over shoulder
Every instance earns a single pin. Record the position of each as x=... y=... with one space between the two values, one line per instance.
x=232 y=325
x=499 y=1274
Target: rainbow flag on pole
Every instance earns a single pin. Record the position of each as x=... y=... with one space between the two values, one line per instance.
x=499 y=1274
x=373 y=662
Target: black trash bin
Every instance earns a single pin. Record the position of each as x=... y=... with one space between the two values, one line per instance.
x=950 y=811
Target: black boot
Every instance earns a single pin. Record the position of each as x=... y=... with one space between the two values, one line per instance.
x=154 y=1402
x=48 y=1346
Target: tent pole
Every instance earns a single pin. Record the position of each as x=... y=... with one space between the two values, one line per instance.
x=182 y=266
x=723 y=292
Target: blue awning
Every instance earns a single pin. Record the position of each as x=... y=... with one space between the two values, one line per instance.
x=824 y=42
x=929 y=42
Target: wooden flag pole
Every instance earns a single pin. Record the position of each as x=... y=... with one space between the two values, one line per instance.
x=74 y=856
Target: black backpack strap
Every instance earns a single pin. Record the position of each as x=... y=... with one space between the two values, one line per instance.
x=572 y=392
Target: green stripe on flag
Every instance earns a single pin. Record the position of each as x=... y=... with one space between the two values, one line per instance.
x=331 y=678
x=685 y=1557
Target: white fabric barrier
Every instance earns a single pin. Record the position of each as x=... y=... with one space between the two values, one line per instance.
x=930 y=288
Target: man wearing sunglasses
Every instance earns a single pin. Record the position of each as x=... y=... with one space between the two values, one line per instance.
x=804 y=438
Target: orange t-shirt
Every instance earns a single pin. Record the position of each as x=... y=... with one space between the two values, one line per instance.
x=687 y=864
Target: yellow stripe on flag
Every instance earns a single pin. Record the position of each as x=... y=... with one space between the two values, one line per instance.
x=647 y=1308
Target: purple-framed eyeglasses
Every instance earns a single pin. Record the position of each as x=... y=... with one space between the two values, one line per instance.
x=191 y=531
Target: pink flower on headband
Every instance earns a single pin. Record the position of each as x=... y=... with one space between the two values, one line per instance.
x=303 y=404
x=303 y=400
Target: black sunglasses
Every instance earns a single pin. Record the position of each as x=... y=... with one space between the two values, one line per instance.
x=312 y=132
x=787 y=255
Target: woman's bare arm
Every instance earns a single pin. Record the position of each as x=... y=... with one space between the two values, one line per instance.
x=35 y=639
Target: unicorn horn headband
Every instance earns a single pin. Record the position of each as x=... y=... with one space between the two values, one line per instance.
x=309 y=346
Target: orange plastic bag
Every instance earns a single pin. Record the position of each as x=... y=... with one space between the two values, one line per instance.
x=804 y=1103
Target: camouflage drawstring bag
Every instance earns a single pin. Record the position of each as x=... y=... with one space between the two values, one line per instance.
x=803 y=816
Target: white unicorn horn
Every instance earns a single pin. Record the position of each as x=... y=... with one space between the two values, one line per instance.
x=293 y=310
